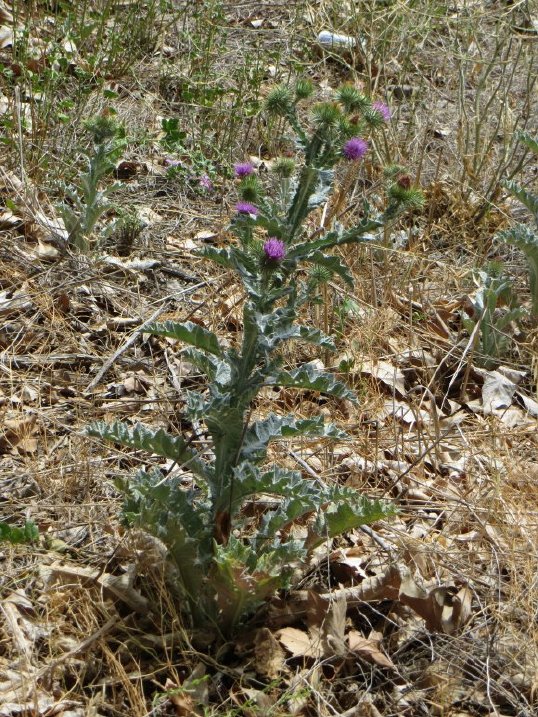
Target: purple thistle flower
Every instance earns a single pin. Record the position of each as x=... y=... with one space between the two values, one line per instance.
x=355 y=148
x=206 y=183
x=169 y=162
x=246 y=208
x=274 y=249
x=244 y=169
x=383 y=109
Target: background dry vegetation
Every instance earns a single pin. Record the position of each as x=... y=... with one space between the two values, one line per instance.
x=431 y=613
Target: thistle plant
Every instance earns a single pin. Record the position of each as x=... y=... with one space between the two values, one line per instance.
x=87 y=203
x=522 y=235
x=229 y=562
x=494 y=309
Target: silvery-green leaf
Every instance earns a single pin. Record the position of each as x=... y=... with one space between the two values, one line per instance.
x=310 y=378
x=154 y=441
x=529 y=140
x=219 y=256
x=348 y=509
x=175 y=516
x=276 y=329
x=260 y=433
x=187 y=332
x=527 y=198
x=323 y=188
x=214 y=368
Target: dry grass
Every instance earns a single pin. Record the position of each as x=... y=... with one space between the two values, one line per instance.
x=71 y=641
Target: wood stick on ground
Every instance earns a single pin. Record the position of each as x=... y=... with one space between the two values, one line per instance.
x=109 y=362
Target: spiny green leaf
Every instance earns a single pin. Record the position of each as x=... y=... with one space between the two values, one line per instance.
x=310 y=378
x=527 y=241
x=279 y=326
x=189 y=333
x=347 y=510
x=163 y=508
x=260 y=433
x=219 y=256
x=525 y=197
x=529 y=140
x=240 y=583
x=154 y=441
x=305 y=250
x=215 y=369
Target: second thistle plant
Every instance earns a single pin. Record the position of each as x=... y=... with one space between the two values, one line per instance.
x=87 y=202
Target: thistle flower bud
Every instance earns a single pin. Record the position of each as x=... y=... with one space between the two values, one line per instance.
x=303 y=89
x=250 y=189
x=284 y=167
x=353 y=100
x=102 y=129
x=279 y=101
x=326 y=115
x=403 y=192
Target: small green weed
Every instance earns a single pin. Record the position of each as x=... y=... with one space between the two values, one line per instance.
x=29 y=533
x=87 y=203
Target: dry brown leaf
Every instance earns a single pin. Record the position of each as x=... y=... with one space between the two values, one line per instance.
x=299 y=643
x=333 y=628
x=404 y=412
x=119 y=585
x=387 y=374
x=497 y=392
x=269 y=658
x=444 y=609
x=182 y=701
x=16 y=431
x=368 y=648
x=6 y=37
x=46 y=251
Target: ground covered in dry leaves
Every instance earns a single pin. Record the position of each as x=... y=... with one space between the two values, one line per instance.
x=431 y=613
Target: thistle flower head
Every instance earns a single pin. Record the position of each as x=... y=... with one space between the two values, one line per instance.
x=274 y=249
x=382 y=109
x=355 y=148
x=247 y=208
x=205 y=183
x=243 y=169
